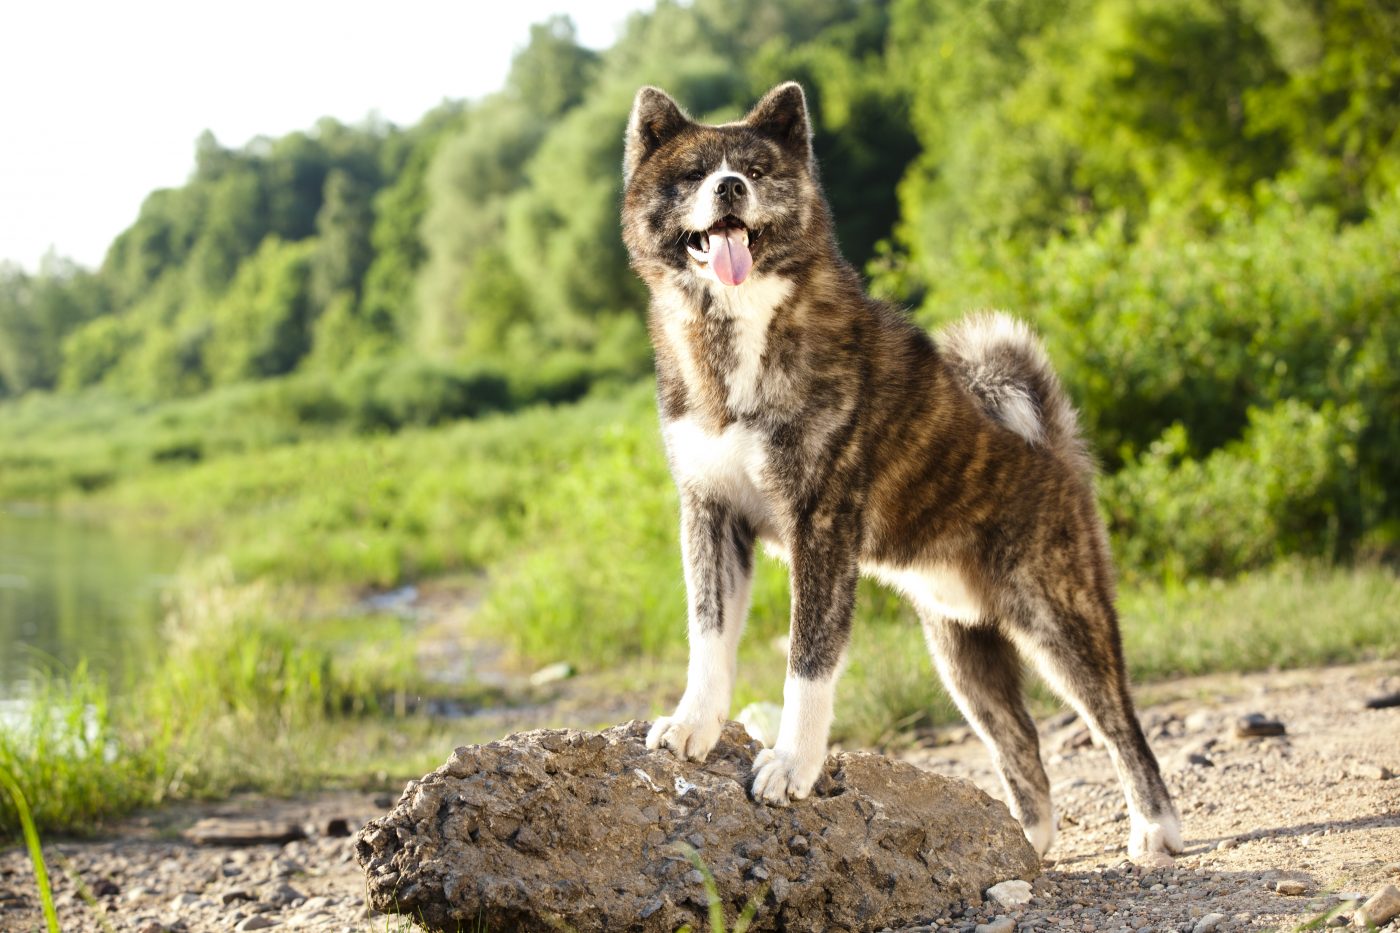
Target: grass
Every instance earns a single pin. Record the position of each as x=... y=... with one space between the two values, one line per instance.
x=36 y=851
x=567 y=519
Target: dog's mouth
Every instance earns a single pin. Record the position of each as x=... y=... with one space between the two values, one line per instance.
x=725 y=249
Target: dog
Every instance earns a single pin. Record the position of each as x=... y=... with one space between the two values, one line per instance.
x=799 y=412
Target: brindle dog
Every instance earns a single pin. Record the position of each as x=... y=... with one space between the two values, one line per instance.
x=799 y=412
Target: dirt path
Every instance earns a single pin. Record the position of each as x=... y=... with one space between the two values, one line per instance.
x=1314 y=806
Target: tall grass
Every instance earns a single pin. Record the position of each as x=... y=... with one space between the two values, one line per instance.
x=31 y=842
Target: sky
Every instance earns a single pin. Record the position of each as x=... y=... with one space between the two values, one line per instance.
x=101 y=102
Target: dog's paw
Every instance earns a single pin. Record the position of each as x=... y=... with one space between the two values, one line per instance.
x=780 y=776
x=1153 y=843
x=690 y=738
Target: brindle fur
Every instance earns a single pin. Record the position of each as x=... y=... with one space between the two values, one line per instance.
x=800 y=412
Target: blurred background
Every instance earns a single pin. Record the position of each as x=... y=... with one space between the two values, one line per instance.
x=338 y=449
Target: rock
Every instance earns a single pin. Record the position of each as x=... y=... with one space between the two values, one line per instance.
x=233 y=895
x=282 y=895
x=1380 y=909
x=335 y=828
x=1383 y=700
x=1291 y=888
x=1208 y=923
x=1255 y=725
x=1369 y=771
x=1228 y=843
x=286 y=867
x=255 y=922
x=999 y=925
x=563 y=829
x=218 y=831
x=552 y=673
x=1010 y=893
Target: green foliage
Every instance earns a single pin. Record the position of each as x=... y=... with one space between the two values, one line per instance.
x=37 y=313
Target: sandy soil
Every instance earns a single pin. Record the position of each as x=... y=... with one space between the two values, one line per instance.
x=1317 y=806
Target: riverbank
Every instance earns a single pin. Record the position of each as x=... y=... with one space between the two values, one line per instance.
x=1310 y=807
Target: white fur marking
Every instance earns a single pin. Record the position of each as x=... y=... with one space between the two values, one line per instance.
x=728 y=465
x=1019 y=414
x=939 y=590
x=788 y=770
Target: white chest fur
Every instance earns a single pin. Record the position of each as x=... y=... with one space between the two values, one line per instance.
x=728 y=465
x=750 y=309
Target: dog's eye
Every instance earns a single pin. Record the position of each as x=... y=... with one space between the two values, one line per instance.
x=696 y=175
x=755 y=173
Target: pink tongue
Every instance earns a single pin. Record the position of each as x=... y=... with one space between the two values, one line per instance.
x=730 y=256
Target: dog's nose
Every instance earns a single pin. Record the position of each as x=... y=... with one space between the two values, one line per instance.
x=731 y=188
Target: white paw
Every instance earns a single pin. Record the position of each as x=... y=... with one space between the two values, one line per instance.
x=1152 y=843
x=689 y=738
x=780 y=776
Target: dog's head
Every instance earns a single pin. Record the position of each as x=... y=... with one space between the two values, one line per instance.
x=720 y=203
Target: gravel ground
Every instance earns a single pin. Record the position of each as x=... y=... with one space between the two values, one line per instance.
x=1280 y=831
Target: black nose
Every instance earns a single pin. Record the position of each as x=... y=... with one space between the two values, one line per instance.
x=731 y=188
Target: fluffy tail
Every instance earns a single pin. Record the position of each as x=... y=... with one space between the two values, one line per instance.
x=1005 y=367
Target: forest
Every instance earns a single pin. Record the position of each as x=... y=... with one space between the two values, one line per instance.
x=1195 y=203
x=365 y=355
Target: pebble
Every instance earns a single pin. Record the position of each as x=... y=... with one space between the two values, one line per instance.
x=1010 y=893
x=1380 y=909
x=1370 y=771
x=1254 y=725
x=999 y=925
x=255 y=922
x=1207 y=923
x=1291 y=888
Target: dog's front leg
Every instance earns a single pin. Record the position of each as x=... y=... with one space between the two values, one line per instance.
x=824 y=574
x=717 y=549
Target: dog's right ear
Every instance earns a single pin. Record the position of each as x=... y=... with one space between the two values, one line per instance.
x=655 y=119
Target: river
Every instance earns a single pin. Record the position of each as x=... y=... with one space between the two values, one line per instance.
x=73 y=591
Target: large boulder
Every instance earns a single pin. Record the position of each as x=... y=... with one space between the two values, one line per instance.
x=551 y=830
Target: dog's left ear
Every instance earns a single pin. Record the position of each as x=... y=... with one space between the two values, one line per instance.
x=782 y=115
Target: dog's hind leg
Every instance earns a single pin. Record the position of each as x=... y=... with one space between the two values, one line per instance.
x=717 y=550
x=1077 y=648
x=982 y=672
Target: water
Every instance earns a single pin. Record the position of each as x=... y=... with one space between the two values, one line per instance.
x=72 y=591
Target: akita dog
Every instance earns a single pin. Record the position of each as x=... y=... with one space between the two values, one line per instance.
x=799 y=412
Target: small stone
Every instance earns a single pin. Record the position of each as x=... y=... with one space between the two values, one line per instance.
x=336 y=827
x=234 y=895
x=1370 y=771
x=1290 y=888
x=999 y=925
x=283 y=894
x=255 y=922
x=1208 y=923
x=1010 y=893
x=1382 y=907
x=1255 y=725
x=1383 y=700
x=287 y=867
x=552 y=673
x=1224 y=844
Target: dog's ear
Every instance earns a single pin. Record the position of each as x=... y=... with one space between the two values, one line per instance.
x=655 y=119
x=782 y=116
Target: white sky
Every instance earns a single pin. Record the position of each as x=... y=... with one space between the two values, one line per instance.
x=101 y=102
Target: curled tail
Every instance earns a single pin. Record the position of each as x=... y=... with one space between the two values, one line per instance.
x=1004 y=366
